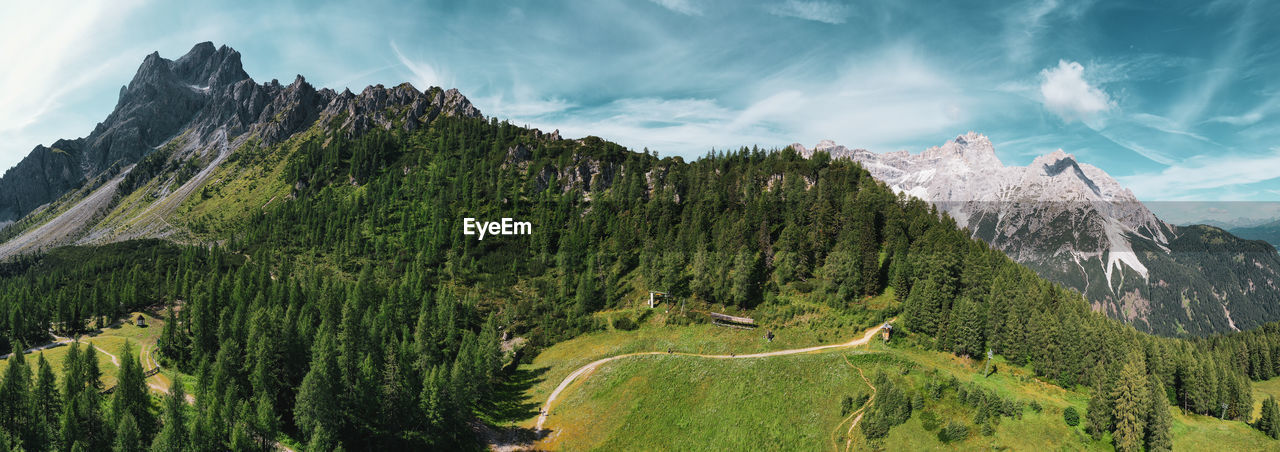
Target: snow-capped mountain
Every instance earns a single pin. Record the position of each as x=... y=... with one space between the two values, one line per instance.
x=1075 y=224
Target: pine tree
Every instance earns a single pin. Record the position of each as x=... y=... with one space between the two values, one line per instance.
x=1269 y=420
x=434 y=402
x=1130 y=396
x=586 y=298
x=1158 y=437
x=1098 y=413
x=173 y=430
x=317 y=406
x=746 y=276
x=900 y=275
x=130 y=396
x=47 y=405
x=128 y=438
x=923 y=309
x=15 y=399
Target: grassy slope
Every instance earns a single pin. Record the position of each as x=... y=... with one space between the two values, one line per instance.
x=111 y=339
x=688 y=403
x=792 y=402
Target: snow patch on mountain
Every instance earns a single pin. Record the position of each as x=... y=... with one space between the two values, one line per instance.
x=1121 y=250
x=1053 y=206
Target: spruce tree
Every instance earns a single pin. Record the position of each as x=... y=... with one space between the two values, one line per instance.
x=1131 y=405
x=130 y=396
x=15 y=399
x=1158 y=437
x=746 y=276
x=1269 y=420
x=128 y=438
x=317 y=406
x=900 y=274
x=173 y=430
x=1098 y=413
x=47 y=405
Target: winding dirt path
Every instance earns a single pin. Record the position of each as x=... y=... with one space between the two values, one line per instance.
x=848 y=445
x=546 y=408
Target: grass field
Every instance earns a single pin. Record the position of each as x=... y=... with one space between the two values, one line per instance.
x=793 y=402
x=109 y=341
x=687 y=403
x=558 y=361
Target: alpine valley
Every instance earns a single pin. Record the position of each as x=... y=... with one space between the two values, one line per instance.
x=223 y=264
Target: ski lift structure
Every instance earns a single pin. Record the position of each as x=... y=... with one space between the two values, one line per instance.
x=655 y=296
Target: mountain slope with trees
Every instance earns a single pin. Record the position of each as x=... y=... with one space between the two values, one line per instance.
x=340 y=303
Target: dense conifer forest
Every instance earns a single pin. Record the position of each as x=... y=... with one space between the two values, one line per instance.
x=356 y=314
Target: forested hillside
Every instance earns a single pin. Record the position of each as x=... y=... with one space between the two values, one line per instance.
x=355 y=312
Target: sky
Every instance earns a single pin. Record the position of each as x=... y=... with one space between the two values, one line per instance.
x=1180 y=101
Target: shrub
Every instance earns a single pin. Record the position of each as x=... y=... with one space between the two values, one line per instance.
x=988 y=430
x=1071 y=416
x=624 y=323
x=954 y=431
x=929 y=421
x=846 y=406
x=1035 y=406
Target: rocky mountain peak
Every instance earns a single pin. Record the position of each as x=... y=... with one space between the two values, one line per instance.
x=205 y=66
x=206 y=97
x=973 y=148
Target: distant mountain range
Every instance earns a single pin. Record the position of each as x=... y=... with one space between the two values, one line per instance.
x=1269 y=232
x=1075 y=224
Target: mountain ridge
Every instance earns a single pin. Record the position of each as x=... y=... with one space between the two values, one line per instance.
x=196 y=109
x=1077 y=225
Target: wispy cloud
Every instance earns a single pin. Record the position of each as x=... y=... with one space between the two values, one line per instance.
x=1254 y=115
x=817 y=11
x=1122 y=140
x=1230 y=60
x=1067 y=94
x=424 y=75
x=1204 y=173
x=875 y=101
x=40 y=73
x=686 y=7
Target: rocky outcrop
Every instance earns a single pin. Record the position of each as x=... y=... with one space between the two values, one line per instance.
x=44 y=175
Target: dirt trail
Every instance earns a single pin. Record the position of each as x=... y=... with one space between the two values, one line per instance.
x=57 y=341
x=114 y=359
x=546 y=408
x=848 y=445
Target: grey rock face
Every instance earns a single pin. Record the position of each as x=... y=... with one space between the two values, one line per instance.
x=203 y=93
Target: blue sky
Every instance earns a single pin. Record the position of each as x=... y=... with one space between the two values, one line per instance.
x=1180 y=101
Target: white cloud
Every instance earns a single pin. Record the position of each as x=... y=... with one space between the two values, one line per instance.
x=685 y=7
x=424 y=75
x=1066 y=93
x=1204 y=173
x=818 y=11
x=878 y=101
